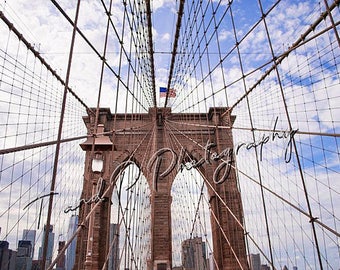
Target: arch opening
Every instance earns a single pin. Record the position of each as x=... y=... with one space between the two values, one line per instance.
x=192 y=245
x=130 y=221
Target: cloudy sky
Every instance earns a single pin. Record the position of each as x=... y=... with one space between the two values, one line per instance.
x=301 y=94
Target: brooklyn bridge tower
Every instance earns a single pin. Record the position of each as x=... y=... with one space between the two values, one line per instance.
x=161 y=144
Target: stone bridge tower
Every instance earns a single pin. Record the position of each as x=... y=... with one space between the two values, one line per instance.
x=160 y=143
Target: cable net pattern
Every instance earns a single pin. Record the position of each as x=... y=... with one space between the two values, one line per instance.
x=273 y=64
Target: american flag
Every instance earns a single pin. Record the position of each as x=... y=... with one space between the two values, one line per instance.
x=163 y=91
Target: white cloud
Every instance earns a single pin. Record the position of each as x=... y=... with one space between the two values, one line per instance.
x=313 y=104
x=166 y=37
x=157 y=4
x=224 y=35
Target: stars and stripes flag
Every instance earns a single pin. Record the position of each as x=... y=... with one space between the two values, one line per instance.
x=163 y=91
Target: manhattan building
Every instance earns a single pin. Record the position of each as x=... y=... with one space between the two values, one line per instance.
x=114 y=247
x=71 y=250
x=29 y=235
x=194 y=254
x=49 y=245
x=7 y=256
x=254 y=262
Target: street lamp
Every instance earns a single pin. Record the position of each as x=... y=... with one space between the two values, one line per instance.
x=98 y=162
x=101 y=142
x=95 y=147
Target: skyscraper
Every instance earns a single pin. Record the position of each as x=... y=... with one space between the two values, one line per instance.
x=71 y=250
x=29 y=235
x=24 y=253
x=254 y=262
x=114 y=245
x=49 y=245
x=194 y=254
x=7 y=257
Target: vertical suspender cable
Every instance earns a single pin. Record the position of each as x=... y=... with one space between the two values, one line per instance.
x=151 y=52
x=56 y=157
x=102 y=71
x=332 y=19
x=312 y=220
x=264 y=205
x=174 y=50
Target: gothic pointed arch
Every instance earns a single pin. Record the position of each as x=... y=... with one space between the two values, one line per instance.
x=162 y=143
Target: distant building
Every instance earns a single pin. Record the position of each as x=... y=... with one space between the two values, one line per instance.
x=194 y=254
x=114 y=245
x=49 y=245
x=71 y=250
x=29 y=235
x=24 y=255
x=265 y=267
x=254 y=261
x=24 y=248
x=23 y=263
x=7 y=256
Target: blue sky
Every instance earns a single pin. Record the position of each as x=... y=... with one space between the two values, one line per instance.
x=309 y=77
